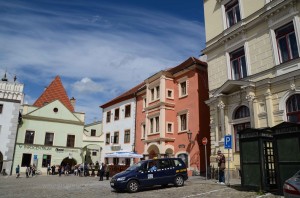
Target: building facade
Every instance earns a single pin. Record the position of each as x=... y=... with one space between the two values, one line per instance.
x=119 y=127
x=172 y=117
x=93 y=142
x=11 y=100
x=252 y=50
x=50 y=131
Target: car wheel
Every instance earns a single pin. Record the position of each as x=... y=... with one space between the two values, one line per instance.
x=178 y=181
x=132 y=186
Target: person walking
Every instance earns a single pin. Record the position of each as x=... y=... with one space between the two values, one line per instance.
x=18 y=171
x=48 y=169
x=53 y=169
x=33 y=169
x=59 y=170
x=221 y=166
x=107 y=172
x=27 y=171
x=101 y=170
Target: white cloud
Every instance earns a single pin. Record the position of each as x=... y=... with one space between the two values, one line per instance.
x=86 y=85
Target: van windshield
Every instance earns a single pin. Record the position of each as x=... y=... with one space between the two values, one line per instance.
x=134 y=166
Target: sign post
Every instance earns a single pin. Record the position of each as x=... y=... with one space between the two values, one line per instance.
x=228 y=145
x=204 y=142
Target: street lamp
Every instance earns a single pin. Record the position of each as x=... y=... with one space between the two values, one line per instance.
x=189 y=133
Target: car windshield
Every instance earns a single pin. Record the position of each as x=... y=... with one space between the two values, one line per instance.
x=134 y=166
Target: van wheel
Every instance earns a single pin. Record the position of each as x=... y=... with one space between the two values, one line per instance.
x=178 y=181
x=132 y=186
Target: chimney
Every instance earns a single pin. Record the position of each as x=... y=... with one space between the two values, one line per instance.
x=73 y=101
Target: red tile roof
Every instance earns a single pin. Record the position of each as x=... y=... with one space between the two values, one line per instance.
x=189 y=62
x=125 y=96
x=55 y=91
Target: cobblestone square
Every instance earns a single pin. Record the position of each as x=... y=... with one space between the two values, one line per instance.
x=74 y=186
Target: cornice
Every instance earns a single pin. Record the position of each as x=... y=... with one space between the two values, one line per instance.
x=30 y=117
x=160 y=140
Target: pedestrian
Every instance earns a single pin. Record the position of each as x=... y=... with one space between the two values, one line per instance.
x=67 y=169
x=102 y=170
x=33 y=169
x=53 y=169
x=18 y=171
x=27 y=171
x=59 y=170
x=93 y=169
x=107 y=172
x=48 y=169
x=221 y=166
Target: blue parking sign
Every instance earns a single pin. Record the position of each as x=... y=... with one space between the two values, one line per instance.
x=228 y=142
x=34 y=157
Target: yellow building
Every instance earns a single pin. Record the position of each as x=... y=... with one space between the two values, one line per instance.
x=252 y=50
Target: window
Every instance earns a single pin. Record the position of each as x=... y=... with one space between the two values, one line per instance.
x=116 y=138
x=1 y=108
x=127 y=136
x=293 y=108
x=287 y=43
x=108 y=116
x=107 y=138
x=49 y=139
x=127 y=161
x=152 y=94
x=238 y=64
x=144 y=103
x=26 y=160
x=232 y=13
x=116 y=161
x=157 y=92
x=70 y=140
x=29 y=137
x=143 y=131
x=46 y=160
x=169 y=127
x=94 y=153
x=183 y=122
x=93 y=132
x=151 y=125
x=117 y=112
x=170 y=94
x=183 y=91
x=157 y=124
x=242 y=112
x=127 y=111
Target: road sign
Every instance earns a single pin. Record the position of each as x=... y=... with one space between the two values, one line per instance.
x=35 y=157
x=228 y=142
x=204 y=141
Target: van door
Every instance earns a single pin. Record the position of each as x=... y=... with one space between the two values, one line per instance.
x=168 y=171
x=145 y=176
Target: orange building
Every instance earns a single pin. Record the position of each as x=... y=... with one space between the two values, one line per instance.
x=169 y=108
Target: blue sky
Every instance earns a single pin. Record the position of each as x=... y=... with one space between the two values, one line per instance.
x=99 y=48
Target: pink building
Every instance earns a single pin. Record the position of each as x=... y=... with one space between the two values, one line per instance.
x=170 y=106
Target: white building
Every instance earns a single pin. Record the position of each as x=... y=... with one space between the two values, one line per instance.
x=11 y=99
x=119 y=126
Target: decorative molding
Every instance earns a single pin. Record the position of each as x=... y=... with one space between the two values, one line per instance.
x=221 y=105
x=250 y=98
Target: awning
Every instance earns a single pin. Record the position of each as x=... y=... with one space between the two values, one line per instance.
x=120 y=154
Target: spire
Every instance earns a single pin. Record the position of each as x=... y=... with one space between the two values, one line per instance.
x=55 y=91
x=4 y=78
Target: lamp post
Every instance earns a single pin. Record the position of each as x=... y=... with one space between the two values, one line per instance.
x=190 y=134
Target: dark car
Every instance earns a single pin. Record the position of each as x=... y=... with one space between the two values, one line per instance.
x=291 y=187
x=149 y=173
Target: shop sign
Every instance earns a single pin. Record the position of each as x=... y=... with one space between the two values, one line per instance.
x=36 y=147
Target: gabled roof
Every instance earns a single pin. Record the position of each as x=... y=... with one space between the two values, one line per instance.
x=125 y=96
x=55 y=91
x=189 y=62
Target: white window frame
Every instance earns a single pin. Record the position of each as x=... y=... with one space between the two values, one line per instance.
x=224 y=14
x=172 y=127
x=172 y=94
x=155 y=130
x=179 y=121
x=180 y=81
x=144 y=102
x=143 y=130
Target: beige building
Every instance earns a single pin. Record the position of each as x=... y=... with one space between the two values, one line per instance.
x=252 y=50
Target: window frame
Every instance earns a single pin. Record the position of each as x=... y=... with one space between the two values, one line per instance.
x=108 y=116
x=172 y=127
x=179 y=120
x=143 y=129
x=293 y=100
x=107 y=137
x=23 y=163
x=231 y=6
x=69 y=144
x=116 y=137
x=93 y=132
x=117 y=114
x=127 y=136
x=29 y=141
x=1 y=108
x=47 y=143
x=127 y=114
x=286 y=34
x=238 y=55
x=46 y=161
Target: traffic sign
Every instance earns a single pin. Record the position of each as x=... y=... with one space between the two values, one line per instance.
x=228 y=142
x=35 y=157
x=204 y=141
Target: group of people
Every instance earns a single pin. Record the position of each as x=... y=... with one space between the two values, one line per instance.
x=103 y=169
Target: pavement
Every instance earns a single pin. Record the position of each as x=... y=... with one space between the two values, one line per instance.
x=77 y=187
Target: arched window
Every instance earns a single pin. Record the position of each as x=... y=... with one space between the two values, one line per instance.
x=242 y=112
x=293 y=108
